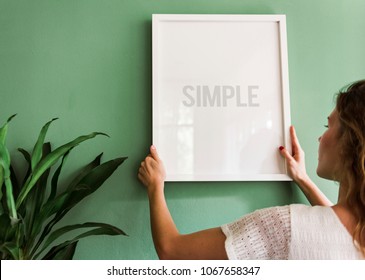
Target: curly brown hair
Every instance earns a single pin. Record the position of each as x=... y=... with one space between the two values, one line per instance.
x=350 y=105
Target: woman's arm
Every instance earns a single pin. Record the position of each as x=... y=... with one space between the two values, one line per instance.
x=169 y=243
x=296 y=168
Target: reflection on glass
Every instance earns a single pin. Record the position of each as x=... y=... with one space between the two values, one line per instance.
x=185 y=149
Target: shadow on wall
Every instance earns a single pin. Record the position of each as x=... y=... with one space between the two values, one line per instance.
x=251 y=194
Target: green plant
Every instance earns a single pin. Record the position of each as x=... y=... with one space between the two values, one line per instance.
x=30 y=208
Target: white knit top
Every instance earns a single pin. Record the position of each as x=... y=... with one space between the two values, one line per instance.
x=290 y=232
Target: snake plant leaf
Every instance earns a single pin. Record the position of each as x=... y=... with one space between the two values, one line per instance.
x=14 y=181
x=5 y=166
x=9 y=237
x=81 y=174
x=86 y=186
x=63 y=251
x=2 y=204
x=4 y=130
x=10 y=248
x=6 y=161
x=11 y=202
x=35 y=199
x=92 y=181
x=85 y=171
x=15 y=188
x=48 y=210
x=5 y=226
x=56 y=204
x=38 y=147
x=98 y=229
x=27 y=158
x=39 y=191
x=56 y=175
x=49 y=161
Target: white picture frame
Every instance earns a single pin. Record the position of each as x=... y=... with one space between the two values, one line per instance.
x=220 y=97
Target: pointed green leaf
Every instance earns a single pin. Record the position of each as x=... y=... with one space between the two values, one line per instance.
x=85 y=171
x=10 y=202
x=27 y=157
x=14 y=181
x=4 y=130
x=99 y=229
x=11 y=250
x=1 y=190
x=5 y=165
x=5 y=225
x=81 y=174
x=90 y=183
x=38 y=147
x=10 y=238
x=54 y=181
x=56 y=205
x=35 y=199
x=41 y=185
x=48 y=210
x=52 y=207
x=5 y=161
x=64 y=251
x=93 y=180
x=49 y=161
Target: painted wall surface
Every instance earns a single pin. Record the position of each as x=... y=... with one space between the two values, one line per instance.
x=89 y=63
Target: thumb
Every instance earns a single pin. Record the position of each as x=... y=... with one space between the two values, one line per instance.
x=154 y=153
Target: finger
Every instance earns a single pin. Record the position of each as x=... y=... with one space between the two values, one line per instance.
x=284 y=152
x=294 y=139
x=142 y=167
x=149 y=161
x=142 y=179
x=142 y=171
x=154 y=153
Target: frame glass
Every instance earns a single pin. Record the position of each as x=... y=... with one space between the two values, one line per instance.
x=220 y=98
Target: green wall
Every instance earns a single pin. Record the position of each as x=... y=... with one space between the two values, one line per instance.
x=89 y=63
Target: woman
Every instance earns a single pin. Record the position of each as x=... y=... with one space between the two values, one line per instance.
x=323 y=231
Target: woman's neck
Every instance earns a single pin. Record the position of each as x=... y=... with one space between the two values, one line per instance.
x=343 y=210
x=342 y=200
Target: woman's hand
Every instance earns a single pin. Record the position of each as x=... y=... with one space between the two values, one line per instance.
x=152 y=172
x=296 y=161
x=296 y=170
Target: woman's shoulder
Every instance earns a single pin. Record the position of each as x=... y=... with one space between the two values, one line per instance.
x=317 y=233
x=291 y=211
x=262 y=234
x=261 y=222
x=321 y=212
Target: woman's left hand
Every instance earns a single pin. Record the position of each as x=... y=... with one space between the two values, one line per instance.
x=152 y=172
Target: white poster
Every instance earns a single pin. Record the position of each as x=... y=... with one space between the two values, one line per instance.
x=221 y=96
